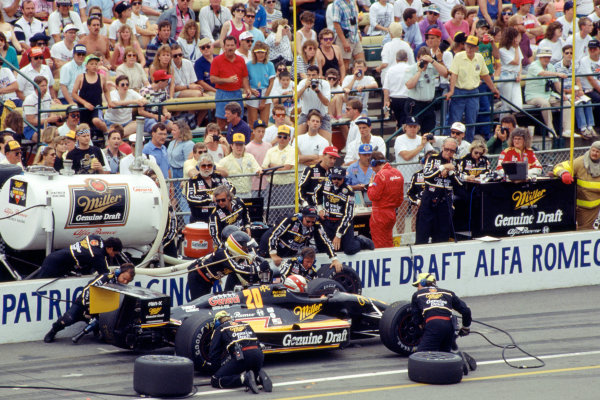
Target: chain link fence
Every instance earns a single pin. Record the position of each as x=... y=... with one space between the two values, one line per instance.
x=282 y=197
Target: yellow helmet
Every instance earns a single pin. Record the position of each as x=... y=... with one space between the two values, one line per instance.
x=424 y=279
x=221 y=314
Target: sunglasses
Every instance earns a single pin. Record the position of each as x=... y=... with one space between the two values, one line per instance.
x=249 y=40
x=309 y=222
x=206 y=46
x=177 y=55
x=200 y=152
x=332 y=78
x=124 y=84
x=337 y=179
x=282 y=136
x=131 y=55
x=280 y=69
x=250 y=16
x=37 y=58
x=40 y=44
x=80 y=54
x=52 y=154
x=568 y=52
x=74 y=115
x=456 y=132
x=507 y=13
x=478 y=153
x=279 y=114
x=221 y=200
x=206 y=165
x=137 y=3
x=327 y=39
x=240 y=10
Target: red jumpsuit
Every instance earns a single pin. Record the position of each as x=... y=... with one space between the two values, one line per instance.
x=387 y=193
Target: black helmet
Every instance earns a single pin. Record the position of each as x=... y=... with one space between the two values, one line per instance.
x=227 y=231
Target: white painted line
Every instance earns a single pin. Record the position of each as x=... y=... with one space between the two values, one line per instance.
x=71 y=376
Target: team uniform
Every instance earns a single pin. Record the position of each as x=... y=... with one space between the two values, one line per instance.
x=222 y=217
x=311 y=177
x=168 y=242
x=199 y=195
x=432 y=307
x=434 y=218
x=83 y=257
x=386 y=192
x=468 y=166
x=293 y=266
x=415 y=189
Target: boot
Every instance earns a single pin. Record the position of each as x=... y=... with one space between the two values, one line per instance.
x=366 y=243
x=49 y=338
x=265 y=381
x=249 y=380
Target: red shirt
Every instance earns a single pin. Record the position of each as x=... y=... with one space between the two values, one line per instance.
x=387 y=188
x=221 y=67
x=25 y=57
x=512 y=154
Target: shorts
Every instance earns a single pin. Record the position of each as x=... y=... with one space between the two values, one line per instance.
x=28 y=132
x=110 y=123
x=227 y=95
x=150 y=122
x=325 y=121
x=86 y=116
x=355 y=49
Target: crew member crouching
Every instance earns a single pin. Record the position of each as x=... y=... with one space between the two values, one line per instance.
x=303 y=265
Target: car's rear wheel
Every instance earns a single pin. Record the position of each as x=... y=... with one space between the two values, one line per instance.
x=397 y=330
x=323 y=286
x=193 y=339
x=435 y=367
x=347 y=277
x=163 y=376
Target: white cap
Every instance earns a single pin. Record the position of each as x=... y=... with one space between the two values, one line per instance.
x=132 y=138
x=544 y=52
x=246 y=35
x=69 y=27
x=458 y=126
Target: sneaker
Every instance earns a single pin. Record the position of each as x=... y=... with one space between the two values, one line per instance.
x=567 y=134
x=249 y=380
x=49 y=338
x=586 y=134
x=593 y=131
x=265 y=381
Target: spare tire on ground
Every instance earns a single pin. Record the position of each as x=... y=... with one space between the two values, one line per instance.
x=435 y=367
x=347 y=277
x=323 y=286
x=163 y=376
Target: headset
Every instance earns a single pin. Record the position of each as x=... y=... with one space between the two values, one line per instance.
x=423 y=281
x=375 y=163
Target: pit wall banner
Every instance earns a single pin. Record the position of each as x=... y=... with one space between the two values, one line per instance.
x=470 y=268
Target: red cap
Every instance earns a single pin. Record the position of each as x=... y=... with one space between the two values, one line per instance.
x=331 y=150
x=160 y=75
x=36 y=51
x=523 y=2
x=434 y=32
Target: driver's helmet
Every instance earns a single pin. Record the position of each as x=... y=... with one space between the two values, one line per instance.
x=227 y=231
x=240 y=245
x=295 y=283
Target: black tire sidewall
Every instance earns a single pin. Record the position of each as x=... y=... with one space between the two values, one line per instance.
x=394 y=321
x=192 y=339
x=163 y=376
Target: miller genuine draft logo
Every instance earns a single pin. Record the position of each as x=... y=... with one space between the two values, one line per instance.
x=17 y=193
x=307 y=311
x=98 y=203
x=154 y=310
x=527 y=198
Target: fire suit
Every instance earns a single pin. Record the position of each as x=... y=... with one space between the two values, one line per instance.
x=386 y=192
x=293 y=266
x=234 y=348
x=415 y=190
x=432 y=307
x=222 y=217
x=83 y=257
x=434 y=218
x=468 y=166
x=311 y=177
x=168 y=242
x=199 y=195
x=511 y=154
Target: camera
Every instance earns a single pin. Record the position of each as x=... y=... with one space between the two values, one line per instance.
x=549 y=86
x=359 y=74
x=314 y=84
x=429 y=136
x=422 y=64
x=504 y=130
x=163 y=7
x=216 y=138
x=216 y=31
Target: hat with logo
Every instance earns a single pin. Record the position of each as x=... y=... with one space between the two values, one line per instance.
x=36 y=52
x=432 y=8
x=458 y=126
x=411 y=121
x=482 y=23
x=203 y=42
x=80 y=48
x=71 y=135
x=424 y=278
x=160 y=75
x=309 y=212
x=434 y=31
x=238 y=138
x=284 y=129
x=331 y=150
x=594 y=44
x=363 y=120
x=460 y=37
x=63 y=3
x=472 y=40
x=12 y=145
x=71 y=109
x=338 y=172
x=365 y=148
x=260 y=122
x=70 y=27
x=246 y=35
x=544 y=52
x=122 y=6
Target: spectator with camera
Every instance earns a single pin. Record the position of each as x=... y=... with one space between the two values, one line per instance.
x=497 y=143
x=345 y=23
x=211 y=20
x=358 y=82
x=314 y=94
x=216 y=143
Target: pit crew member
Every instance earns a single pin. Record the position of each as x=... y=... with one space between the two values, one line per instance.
x=80 y=310
x=236 y=356
x=432 y=309
x=303 y=265
x=316 y=174
x=229 y=211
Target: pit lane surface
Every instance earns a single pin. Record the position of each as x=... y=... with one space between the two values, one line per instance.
x=562 y=326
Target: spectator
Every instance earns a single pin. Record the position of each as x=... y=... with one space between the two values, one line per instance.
x=307 y=57
x=249 y=18
x=163 y=37
x=283 y=86
x=188 y=40
x=329 y=54
x=61 y=18
x=178 y=16
x=595 y=15
x=62 y=52
x=229 y=74
x=381 y=15
x=240 y=162
x=279 y=118
x=162 y=61
x=107 y=9
x=539 y=94
x=59 y=144
x=409 y=147
x=156 y=147
x=236 y=25
x=189 y=166
x=70 y=142
x=345 y=22
x=96 y=12
x=13 y=153
x=87 y=158
x=125 y=39
x=511 y=61
x=94 y=40
x=144 y=29
x=489 y=10
x=8 y=31
x=123 y=96
x=211 y=20
x=216 y=143
x=235 y=123
x=490 y=53
x=421 y=88
x=532 y=26
x=401 y=6
x=358 y=174
x=30 y=109
x=582 y=37
x=282 y=155
x=48 y=157
x=590 y=64
x=353 y=113
x=8 y=84
x=122 y=14
x=27 y=25
x=261 y=15
x=35 y=68
x=261 y=73
x=72 y=120
x=458 y=23
x=394 y=87
x=258 y=148
x=516 y=21
x=38 y=40
x=448 y=55
x=390 y=51
x=184 y=76
x=112 y=153
x=468 y=69
x=279 y=41
x=519 y=149
x=180 y=149
x=87 y=92
x=432 y=14
x=203 y=64
x=553 y=39
x=6 y=137
x=502 y=22
x=433 y=40
x=155 y=93
x=472 y=165
x=445 y=8
x=8 y=52
x=155 y=8
x=497 y=143
x=273 y=14
x=566 y=21
x=313 y=94
x=376 y=142
x=307 y=20
x=133 y=70
x=411 y=28
x=311 y=144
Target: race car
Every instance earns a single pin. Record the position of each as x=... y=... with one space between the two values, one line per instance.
x=325 y=317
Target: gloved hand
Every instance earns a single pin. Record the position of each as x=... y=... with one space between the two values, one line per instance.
x=464 y=331
x=265 y=266
x=566 y=178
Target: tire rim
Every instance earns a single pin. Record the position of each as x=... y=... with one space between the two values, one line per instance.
x=408 y=332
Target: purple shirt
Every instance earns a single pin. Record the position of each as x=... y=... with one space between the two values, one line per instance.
x=424 y=25
x=525 y=46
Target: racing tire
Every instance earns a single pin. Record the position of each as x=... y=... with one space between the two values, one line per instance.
x=163 y=376
x=397 y=330
x=347 y=277
x=192 y=340
x=323 y=286
x=435 y=367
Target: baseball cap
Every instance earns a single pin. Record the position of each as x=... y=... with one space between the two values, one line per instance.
x=284 y=129
x=472 y=40
x=91 y=57
x=481 y=23
x=133 y=137
x=39 y=36
x=238 y=137
x=365 y=148
x=79 y=48
x=523 y=2
x=122 y=6
x=544 y=52
x=460 y=37
x=63 y=3
x=594 y=44
x=160 y=75
x=203 y=42
x=70 y=27
x=434 y=31
x=363 y=120
x=411 y=121
x=424 y=276
x=309 y=212
x=71 y=109
x=458 y=126
x=331 y=150
x=568 y=5
x=13 y=145
x=246 y=35
x=338 y=172
x=36 y=52
x=432 y=8
x=70 y=135
x=260 y=122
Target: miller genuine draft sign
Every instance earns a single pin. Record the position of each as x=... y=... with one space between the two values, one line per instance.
x=98 y=203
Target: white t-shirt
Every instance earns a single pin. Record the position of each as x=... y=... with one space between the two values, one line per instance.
x=567 y=27
x=310 y=100
x=593 y=17
x=121 y=115
x=404 y=143
x=587 y=66
x=581 y=46
x=7 y=77
x=57 y=22
x=191 y=51
x=218 y=154
x=61 y=52
x=247 y=58
x=184 y=75
x=507 y=56
x=156 y=5
x=376 y=143
x=395 y=80
x=556 y=49
x=30 y=104
x=116 y=24
x=401 y=5
x=28 y=29
x=353 y=133
x=271 y=133
x=389 y=51
x=139 y=21
x=25 y=86
x=363 y=96
x=382 y=15
x=311 y=145
x=135 y=75
x=585 y=7
x=277 y=90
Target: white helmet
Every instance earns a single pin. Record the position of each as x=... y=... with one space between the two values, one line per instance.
x=296 y=283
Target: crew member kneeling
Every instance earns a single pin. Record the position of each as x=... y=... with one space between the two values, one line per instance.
x=432 y=306
x=236 y=355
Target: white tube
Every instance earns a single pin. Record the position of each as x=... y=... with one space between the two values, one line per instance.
x=173 y=260
x=165 y=270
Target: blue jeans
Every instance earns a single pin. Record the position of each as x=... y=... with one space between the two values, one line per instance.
x=467 y=106
x=227 y=95
x=183 y=204
x=484 y=107
x=584 y=116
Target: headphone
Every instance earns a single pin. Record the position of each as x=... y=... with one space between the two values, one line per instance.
x=423 y=281
x=117 y=272
x=375 y=163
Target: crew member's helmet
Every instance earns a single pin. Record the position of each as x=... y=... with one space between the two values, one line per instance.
x=425 y=279
x=296 y=283
x=221 y=315
x=240 y=245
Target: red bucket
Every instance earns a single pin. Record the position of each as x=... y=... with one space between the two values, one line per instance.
x=197 y=241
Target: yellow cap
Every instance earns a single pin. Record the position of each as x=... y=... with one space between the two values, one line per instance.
x=473 y=40
x=238 y=137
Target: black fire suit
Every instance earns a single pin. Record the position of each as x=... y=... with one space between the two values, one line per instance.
x=202 y=279
x=434 y=218
x=83 y=257
x=199 y=195
x=468 y=166
x=222 y=217
x=415 y=190
x=168 y=242
x=290 y=236
x=338 y=204
x=432 y=307
x=311 y=177
x=231 y=338
x=293 y=266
